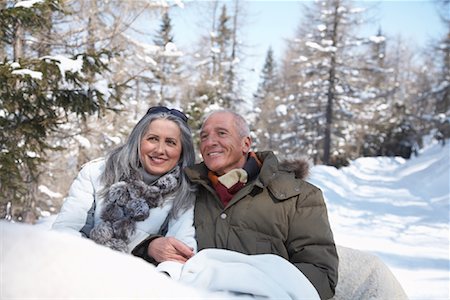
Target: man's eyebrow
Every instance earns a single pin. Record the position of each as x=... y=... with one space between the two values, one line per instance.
x=221 y=128
x=216 y=129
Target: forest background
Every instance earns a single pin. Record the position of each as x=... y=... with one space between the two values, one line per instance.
x=76 y=75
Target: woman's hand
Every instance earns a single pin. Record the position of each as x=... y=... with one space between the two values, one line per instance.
x=169 y=248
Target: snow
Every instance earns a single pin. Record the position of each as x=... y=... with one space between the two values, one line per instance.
x=33 y=74
x=114 y=139
x=390 y=213
x=318 y=47
x=301 y=58
x=66 y=64
x=377 y=39
x=27 y=3
x=281 y=110
x=15 y=65
x=45 y=190
x=84 y=142
x=32 y=154
x=398 y=210
x=171 y=50
x=322 y=27
x=215 y=50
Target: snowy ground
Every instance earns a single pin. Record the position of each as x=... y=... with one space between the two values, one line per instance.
x=398 y=210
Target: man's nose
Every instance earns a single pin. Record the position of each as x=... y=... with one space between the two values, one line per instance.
x=209 y=140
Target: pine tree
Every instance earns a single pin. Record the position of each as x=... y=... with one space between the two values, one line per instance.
x=377 y=87
x=37 y=96
x=265 y=103
x=324 y=62
x=167 y=71
x=218 y=82
x=441 y=88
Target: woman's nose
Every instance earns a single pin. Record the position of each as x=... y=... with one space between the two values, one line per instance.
x=160 y=148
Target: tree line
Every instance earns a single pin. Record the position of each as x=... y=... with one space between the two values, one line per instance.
x=76 y=75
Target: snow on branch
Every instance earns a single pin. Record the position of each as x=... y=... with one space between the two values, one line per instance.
x=320 y=48
x=66 y=64
x=33 y=74
x=27 y=3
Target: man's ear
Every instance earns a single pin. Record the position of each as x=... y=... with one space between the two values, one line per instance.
x=246 y=143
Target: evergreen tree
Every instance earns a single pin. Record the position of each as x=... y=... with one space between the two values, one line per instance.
x=216 y=77
x=265 y=103
x=377 y=87
x=325 y=65
x=37 y=96
x=440 y=90
x=167 y=71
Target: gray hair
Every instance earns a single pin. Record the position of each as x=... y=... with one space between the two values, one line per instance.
x=125 y=160
x=240 y=123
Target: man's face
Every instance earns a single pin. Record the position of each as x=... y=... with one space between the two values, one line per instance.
x=221 y=146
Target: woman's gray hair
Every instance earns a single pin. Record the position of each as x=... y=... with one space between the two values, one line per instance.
x=125 y=160
x=241 y=124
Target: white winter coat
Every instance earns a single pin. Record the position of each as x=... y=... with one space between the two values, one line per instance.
x=85 y=190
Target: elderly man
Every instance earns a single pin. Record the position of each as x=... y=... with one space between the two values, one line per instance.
x=247 y=202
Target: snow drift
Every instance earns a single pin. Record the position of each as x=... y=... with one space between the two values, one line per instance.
x=398 y=210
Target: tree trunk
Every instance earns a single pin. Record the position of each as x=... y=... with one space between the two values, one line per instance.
x=331 y=90
x=18 y=42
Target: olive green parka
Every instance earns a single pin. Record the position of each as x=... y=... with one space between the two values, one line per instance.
x=275 y=213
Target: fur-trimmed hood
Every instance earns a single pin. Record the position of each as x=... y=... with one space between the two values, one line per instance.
x=283 y=179
x=300 y=167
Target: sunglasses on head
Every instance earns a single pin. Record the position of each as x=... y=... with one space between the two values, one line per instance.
x=171 y=111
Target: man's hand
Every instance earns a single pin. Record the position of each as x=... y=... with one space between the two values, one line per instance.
x=169 y=248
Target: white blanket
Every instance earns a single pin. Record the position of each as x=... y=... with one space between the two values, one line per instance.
x=40 y=264
x=265 y=276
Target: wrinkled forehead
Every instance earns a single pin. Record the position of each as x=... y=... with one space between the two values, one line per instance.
x=219 y=120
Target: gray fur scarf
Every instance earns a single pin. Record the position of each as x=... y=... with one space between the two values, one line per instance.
x=128 y=202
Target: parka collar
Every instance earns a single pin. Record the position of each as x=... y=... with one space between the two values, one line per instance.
x=280 y=182
x=197 y=172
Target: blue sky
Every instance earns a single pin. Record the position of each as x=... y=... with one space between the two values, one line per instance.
x=269 y=23
x=414 y=20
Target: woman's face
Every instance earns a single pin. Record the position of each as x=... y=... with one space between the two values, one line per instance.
x=161 y=147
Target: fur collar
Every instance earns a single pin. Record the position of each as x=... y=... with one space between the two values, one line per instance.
x=299 y=166
x=128 y=202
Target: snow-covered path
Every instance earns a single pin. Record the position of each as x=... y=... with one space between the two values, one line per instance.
x=398 y=210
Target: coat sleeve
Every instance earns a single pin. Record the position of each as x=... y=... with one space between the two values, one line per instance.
x=311 y=244
x=77 y=206
x=182 y=228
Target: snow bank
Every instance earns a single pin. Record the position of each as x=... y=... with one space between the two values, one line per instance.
x=365 y=276
x=398 y=210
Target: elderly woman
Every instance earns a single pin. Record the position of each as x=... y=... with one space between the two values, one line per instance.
x=119 y=201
